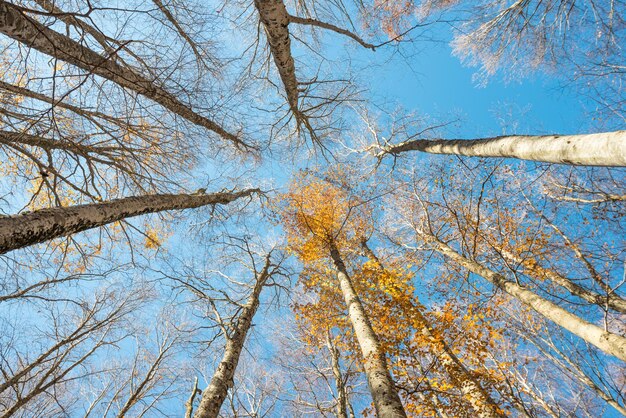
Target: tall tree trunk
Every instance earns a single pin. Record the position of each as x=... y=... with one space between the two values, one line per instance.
x=17 y=25
x=214 y=395
x=600 y=149
x=383 y=390
x=32 y=228
x=611 y=300
x=342 y=396
x=608 y=342
x=480 y=400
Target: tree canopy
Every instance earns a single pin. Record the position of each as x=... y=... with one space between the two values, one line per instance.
x=312 y=208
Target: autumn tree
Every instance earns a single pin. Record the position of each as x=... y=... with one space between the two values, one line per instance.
x=322 y=221
x=463 y=228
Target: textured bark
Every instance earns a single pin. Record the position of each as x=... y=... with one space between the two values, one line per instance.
x=32 y=228
x=600 y=149
x=26 y=30
x=611 y=300
x=383 y=390
x=480 y=400
x=275 y=20
x=608 y=342
x=342 y=396
x=214 y=395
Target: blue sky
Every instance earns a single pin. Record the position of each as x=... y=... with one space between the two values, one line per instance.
x=435 y=82
x=429 y=81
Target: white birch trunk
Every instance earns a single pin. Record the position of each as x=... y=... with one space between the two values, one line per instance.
x=383 y=390
x=599 y=149
x=608 y=342
x=32 y=228
x=214 y=395
x=17 y=25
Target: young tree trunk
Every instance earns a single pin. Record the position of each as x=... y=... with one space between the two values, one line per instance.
x=32 y=228
x=600 y=149
x=17 y=25
x=481 y=402
x=383 y=390
x=189 y=403
x=342 y=396
x=214 y=395
x=608 y=342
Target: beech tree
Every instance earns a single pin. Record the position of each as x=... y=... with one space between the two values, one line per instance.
x=428 y=222
x=320 y=220
x=438 y=286
x=215 y=393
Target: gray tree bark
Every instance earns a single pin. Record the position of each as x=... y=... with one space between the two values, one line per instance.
x=20 y=231
x=214 y=395
x=384 y=394
x=17 y=25
x=599 y=149
x=275 y=20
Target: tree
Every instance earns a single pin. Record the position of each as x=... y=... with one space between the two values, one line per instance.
x=427 y=222
x=455 y=287
x=32 y=228
x=481 y=402
x=214 y=394
x=600 y=149
x=67 y=344
x=321 y=219
x=23 y=28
